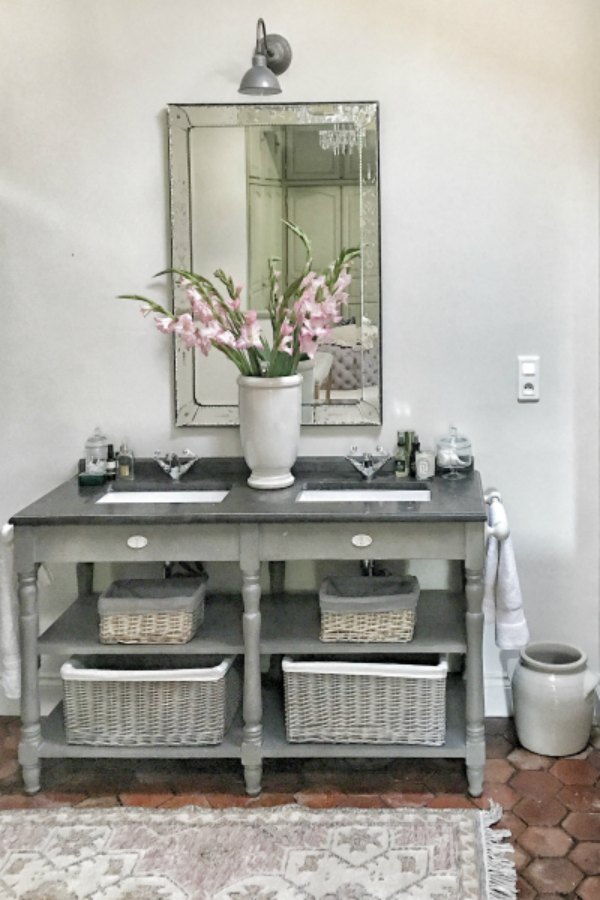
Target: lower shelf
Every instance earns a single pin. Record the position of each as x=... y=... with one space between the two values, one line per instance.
x=54 y=744
x=275 y=744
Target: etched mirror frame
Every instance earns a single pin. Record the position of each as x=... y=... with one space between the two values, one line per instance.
x=192 y=370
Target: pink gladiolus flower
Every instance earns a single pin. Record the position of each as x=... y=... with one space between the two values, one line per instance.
x=163 y=323
x=299 y=322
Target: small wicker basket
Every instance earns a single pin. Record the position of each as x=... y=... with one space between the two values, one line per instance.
x=151 y=611
x=360 y=609
x=365 y=702
x=153 y=704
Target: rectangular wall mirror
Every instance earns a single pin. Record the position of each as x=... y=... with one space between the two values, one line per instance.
x=237 y=171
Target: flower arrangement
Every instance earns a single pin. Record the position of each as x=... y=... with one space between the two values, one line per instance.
x=301 y=314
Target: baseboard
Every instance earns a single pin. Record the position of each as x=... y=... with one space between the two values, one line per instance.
x=498 y=697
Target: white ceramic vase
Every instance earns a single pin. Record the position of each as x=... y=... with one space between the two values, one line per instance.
x=553 y=699
x=270 y=415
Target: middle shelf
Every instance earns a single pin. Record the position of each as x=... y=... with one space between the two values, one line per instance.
x=290 y=624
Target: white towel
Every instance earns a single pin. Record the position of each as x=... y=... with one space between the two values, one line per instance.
x=10 y=661
x=502 y=598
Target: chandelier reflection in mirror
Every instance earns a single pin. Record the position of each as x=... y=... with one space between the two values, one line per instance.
x=341 y=139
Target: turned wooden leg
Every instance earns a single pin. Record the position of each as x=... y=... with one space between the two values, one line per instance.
x=30 y=696
x=252 y=697
x=474 y=677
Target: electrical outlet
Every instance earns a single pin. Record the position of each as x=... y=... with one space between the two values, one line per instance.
x=528 y=379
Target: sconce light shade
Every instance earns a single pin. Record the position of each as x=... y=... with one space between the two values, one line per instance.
x=272 y=56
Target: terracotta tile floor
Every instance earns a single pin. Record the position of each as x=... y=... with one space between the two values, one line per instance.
x=551 y=806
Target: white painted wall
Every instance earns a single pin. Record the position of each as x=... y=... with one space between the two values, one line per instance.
x=489 y=173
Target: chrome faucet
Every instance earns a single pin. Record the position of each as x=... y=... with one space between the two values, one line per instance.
x=368 y=463
x=175 y=464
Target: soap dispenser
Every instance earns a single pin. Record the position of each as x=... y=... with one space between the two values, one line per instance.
x=125 y=463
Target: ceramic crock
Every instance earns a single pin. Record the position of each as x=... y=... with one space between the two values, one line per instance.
x=553 y=699
x=270 y=413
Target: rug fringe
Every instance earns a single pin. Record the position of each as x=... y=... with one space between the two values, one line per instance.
x=501 y=875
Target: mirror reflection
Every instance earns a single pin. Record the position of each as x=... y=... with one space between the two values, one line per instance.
x=236 y=173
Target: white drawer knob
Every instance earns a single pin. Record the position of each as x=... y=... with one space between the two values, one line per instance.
x=137 y=541
x=362 y=540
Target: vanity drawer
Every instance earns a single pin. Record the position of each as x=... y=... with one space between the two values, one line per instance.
x=363 y=540
x=136 y=543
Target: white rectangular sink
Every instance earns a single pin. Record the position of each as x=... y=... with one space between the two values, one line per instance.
x=364 y=495
x=204 y=496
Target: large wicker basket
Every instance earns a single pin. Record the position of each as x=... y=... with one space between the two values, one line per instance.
x=116 y=705
x=361 y=609
x=365 y=702
x=151 y=610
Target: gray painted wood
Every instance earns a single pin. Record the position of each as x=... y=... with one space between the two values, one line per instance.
x=30 y=694
x=251 y=527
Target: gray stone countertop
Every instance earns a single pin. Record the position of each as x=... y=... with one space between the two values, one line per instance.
x=72 y=504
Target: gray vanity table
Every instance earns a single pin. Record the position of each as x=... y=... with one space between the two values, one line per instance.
x=246 y=529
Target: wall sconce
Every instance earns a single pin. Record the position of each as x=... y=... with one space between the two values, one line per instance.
x=272 y=56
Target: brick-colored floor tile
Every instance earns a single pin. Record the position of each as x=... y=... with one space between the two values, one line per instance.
x=552 y=896
x=574 y=771
x=524 y=890
x=148 y=798
x=540 y=812
x=364 y=801
x=521 y=859
x=272 y=798
x=545 y=841
x=497 y=747
x=9 y=768
x=189 y=799
x=515 y=825
x=589 y=889
x=226 y=801
x=450 y=801
x=396 y=799
x=525 y=759
x=553 y=875
x=57 y=798
x=497 y=771
x=498 y=793
x=539 y=785
x=320 y=800
x=581 y=798
x=583 y=826
x=16 y=801
x=99 y=802
x=587 y=856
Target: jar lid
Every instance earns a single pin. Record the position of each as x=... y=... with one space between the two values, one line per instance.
x=455 y=441
x=97 y=439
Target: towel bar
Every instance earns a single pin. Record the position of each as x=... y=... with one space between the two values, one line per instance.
x=500 y=529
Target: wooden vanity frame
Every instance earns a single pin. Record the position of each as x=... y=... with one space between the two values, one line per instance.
x=446 y=623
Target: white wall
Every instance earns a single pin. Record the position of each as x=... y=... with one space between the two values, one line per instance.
x=489 y=176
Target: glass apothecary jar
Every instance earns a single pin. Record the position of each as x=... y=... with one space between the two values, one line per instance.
x=454 y=457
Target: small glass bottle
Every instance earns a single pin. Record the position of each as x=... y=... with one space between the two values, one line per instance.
x=111 y=464
x=400 y=460
x=125 y=463
x=415 y=447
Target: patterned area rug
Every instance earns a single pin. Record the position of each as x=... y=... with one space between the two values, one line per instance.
x=284 y=853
